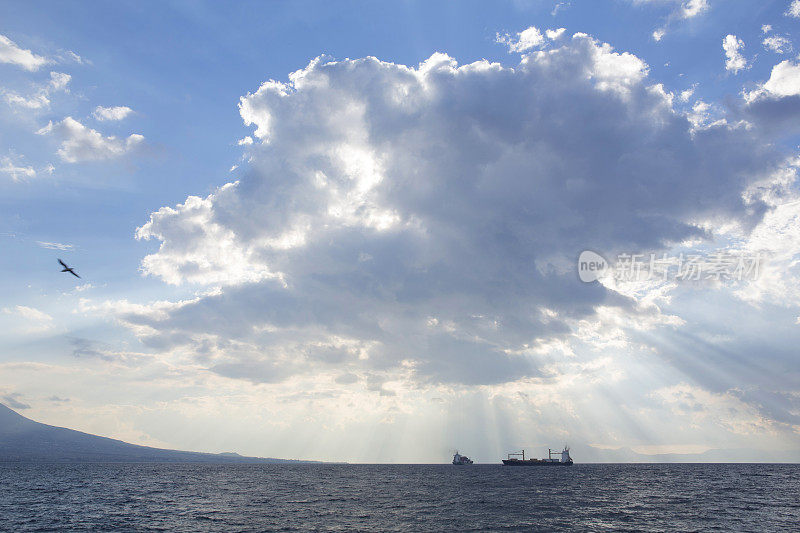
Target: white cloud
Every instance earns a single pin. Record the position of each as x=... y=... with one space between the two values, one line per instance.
x=383 y=195
x=59 y=80
x=524 y=40
x=245 y=141
x=72 y=56
x=693 y=8
x=775 y=104
x=778 y=44
x=794 y=9
x=682 y=10
x=30 y=313
x=784 y=80
x=40 y=99
x=16 y=170
x=766 y=28
x=35 y=101
x=226 y=260
x=111 y=113
x=734 y=60
x=701 y=407
x=777 y=240
x=11 y=53
x=54 y=245
x=704 y=115
x=686 y=94
x=529 y=39
x=35 y=321
x=558 y=7
x=80 y=143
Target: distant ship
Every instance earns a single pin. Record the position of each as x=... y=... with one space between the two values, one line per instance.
x=565 y=459
x=459 y=459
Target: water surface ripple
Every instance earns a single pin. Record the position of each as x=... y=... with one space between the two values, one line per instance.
x=319 y=497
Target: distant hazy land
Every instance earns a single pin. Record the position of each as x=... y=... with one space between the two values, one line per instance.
x=23 y=440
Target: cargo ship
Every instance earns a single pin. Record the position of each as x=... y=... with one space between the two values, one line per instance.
x=459 y=459
x=564 y=460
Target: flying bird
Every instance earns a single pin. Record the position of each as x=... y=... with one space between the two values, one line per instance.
x=67 y=269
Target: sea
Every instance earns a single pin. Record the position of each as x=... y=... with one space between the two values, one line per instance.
x=339 y=497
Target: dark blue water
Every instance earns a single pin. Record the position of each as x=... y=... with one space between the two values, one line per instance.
x=186 y=497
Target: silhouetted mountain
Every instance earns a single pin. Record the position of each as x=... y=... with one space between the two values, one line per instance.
x=23 y=440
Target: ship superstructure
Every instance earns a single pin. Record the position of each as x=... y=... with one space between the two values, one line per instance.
x=459 y=459
x=518 y=459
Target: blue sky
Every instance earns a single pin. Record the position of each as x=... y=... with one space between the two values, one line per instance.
x=398 y=249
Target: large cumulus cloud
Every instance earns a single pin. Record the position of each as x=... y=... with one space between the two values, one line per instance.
x=425 y=221
x=775 y=104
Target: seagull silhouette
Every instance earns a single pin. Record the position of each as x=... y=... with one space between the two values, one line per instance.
x=67 y=269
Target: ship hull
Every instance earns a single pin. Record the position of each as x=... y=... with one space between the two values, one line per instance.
x=534 y=462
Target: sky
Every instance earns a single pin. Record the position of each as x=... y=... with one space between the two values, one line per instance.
x=351 y=231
